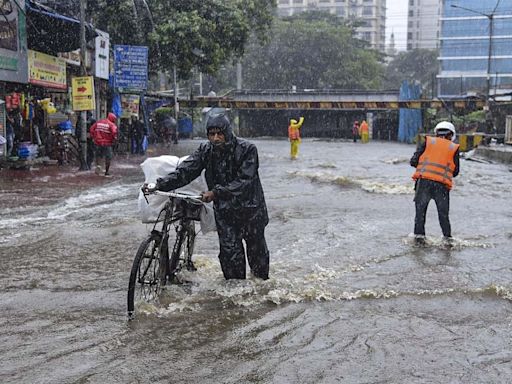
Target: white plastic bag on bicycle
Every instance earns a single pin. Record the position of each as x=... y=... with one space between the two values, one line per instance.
x=155 y=167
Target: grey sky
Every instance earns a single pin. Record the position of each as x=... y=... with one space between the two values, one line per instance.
x=396 y=21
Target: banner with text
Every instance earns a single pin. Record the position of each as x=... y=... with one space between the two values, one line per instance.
x=48 y=71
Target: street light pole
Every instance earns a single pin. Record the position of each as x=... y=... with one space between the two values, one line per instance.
x=175 y=86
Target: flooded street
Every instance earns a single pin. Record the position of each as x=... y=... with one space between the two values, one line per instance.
x=349 y=299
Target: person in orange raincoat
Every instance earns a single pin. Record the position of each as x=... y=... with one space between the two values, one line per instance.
x=365 y=134
x=294 y=136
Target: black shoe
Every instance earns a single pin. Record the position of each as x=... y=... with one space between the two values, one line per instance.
x=419 y=240
x=190 y=266
x=448 y=242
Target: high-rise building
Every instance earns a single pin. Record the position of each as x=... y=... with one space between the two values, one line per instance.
x=423 y=24
x=372 y=13
x=476 y=48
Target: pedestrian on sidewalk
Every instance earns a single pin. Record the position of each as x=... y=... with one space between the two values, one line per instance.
x=142 y=136
x=294 y=136
x=104 y=135
x=136 y=133
x=437 y=163
x=170 y=130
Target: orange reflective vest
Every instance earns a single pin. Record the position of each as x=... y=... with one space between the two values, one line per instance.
x=294 y=129
x=436 y=162
x=363 y=127
x=293 y=133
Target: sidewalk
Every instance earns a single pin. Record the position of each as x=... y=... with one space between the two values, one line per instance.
x=501 y=153
x=48 y=184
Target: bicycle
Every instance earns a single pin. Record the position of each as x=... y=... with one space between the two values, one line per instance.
x=152 y=267
x=64 y=147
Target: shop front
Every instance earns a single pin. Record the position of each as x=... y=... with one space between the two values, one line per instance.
x=13 y=66
x=36 y=104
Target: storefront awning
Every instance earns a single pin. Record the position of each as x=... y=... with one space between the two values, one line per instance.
x=51 y=33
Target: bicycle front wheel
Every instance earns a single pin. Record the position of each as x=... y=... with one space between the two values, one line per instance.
x=145 y=282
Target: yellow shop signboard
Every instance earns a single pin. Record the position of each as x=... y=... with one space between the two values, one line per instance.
x=45 y=70
x=83 y=93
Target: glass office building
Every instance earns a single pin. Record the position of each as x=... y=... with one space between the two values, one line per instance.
x=466 y=63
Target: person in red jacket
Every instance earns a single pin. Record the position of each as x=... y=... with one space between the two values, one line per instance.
x=104 y=136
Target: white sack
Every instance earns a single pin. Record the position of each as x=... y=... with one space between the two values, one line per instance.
x=155 y=167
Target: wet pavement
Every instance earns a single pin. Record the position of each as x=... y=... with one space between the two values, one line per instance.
x=350 y=298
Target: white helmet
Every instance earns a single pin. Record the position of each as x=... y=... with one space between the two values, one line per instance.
x=445 y=126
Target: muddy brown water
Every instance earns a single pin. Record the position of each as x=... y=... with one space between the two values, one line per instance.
x=350 y=299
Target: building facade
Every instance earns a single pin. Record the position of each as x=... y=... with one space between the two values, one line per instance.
x=423 y=24
x=372 y=13
x=475 y=48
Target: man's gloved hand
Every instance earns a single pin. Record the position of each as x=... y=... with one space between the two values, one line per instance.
x=207 y=196
x=148 y=187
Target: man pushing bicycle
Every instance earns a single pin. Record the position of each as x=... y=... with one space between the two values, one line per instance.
x=231 y=172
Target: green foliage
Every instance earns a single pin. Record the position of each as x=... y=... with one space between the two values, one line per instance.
x=417 y=65
x=476 y=116
x=162 y=112
x=185 y=33
x=473 y=117
x=312 y=51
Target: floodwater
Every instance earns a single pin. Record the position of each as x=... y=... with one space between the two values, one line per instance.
x=350 y=299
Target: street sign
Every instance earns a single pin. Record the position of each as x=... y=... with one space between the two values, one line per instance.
x=130 y=68
x=83 y=93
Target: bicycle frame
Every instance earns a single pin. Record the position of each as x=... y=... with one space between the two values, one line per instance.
x=185 y=226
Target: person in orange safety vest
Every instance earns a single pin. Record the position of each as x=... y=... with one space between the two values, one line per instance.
x=365 y=133
x=437 y=163
x=294 y=136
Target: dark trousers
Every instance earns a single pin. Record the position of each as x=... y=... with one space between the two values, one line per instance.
x=232 y=253
x=425 y=191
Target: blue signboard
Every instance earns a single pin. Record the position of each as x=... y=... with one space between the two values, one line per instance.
x=130 y=68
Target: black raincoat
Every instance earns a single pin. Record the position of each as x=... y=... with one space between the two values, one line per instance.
x=231 y=173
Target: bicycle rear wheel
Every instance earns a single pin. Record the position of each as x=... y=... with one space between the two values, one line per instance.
x=145 y=282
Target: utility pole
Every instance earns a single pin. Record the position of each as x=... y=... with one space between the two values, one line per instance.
x=238 y=75
x=175 y=77
x=83 y=71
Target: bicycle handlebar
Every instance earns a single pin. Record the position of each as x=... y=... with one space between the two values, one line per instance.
x=150 y=190
x=179 y=195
